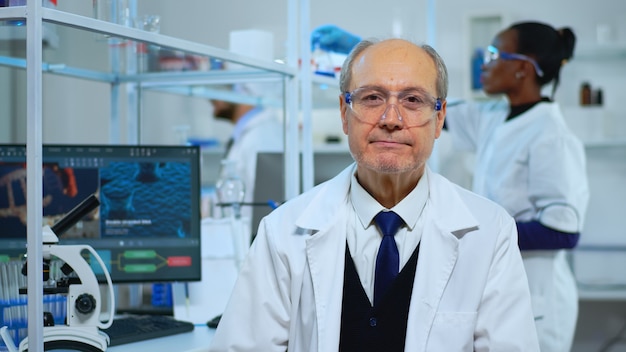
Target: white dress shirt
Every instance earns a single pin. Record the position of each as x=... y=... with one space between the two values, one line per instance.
x=364 y=238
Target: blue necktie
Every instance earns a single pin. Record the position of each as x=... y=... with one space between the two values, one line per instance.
x=388 y=259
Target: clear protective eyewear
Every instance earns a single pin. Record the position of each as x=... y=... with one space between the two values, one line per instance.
x=371 y=105
x=492 y=53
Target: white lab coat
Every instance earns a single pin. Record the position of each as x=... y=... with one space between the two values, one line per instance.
x=262 y=133
x=470 y=291
x=534 y=167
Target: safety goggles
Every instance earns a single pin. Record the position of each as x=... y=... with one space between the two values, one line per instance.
x=372 y=104
x=492 y=53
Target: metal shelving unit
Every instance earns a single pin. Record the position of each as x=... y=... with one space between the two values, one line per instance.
x=190 y=83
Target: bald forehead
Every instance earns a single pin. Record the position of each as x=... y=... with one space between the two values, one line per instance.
x=396 y=63
x=395 y=45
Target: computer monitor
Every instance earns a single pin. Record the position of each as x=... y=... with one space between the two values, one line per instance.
x=147 y=227
x=269 y=183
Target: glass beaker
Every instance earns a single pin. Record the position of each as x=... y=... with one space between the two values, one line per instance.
x=230 y=189
x=114 y=11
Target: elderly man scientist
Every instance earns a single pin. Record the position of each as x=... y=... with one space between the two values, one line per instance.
x=320 y=276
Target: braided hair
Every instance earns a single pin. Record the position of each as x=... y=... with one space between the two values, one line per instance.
x=550 y=47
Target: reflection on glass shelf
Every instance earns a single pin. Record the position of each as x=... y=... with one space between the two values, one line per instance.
x=17 y=34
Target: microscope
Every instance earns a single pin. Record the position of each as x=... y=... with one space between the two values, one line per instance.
x=82 y=328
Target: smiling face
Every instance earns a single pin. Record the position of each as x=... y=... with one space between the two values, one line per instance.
x=390 y=146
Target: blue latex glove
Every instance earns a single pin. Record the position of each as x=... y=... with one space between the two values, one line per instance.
x=332 y=38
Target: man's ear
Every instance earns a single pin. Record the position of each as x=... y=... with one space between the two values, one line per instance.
x=441 y=117
x=343 y=107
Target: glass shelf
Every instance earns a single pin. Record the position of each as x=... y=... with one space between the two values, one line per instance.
x=96 y=26
x=129 y=55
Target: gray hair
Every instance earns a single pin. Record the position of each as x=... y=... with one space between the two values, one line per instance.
x=346 y=70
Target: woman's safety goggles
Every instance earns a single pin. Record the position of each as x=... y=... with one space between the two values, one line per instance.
x=492 y=53
x=372 y=105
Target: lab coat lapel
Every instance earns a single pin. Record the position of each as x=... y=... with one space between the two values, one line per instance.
x=325 y=219
x=325 y=255
x=447 y=220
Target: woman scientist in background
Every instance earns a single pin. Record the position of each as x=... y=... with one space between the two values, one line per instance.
x=529 y=161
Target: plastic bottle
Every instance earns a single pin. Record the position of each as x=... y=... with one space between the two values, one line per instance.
x=599 y=97
x=477 y=63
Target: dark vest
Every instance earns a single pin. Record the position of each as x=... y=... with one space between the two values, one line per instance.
x=383 y=328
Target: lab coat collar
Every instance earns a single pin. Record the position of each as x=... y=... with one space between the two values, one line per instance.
x=240 y=126
x=448 y=212
x=321 y=211
x=537 y=112
x=366 y=207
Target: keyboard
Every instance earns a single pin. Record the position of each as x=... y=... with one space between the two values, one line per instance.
x=134 y=328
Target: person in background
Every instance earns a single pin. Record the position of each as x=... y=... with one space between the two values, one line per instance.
x=256 y=129
x=325 y=271
x=330 y=37
x=528 y=161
